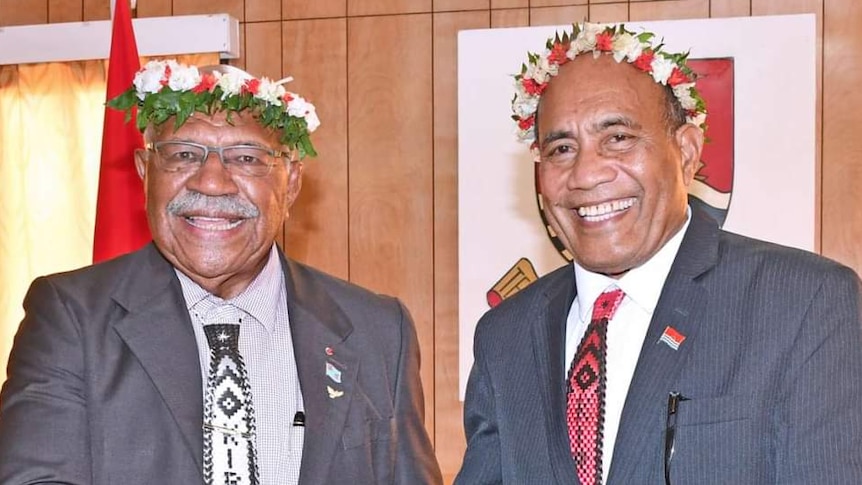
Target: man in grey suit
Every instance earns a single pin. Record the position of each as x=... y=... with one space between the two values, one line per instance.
x=308 y=380
x=723 y=360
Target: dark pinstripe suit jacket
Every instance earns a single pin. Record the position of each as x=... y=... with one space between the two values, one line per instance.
x=105 y=385
x=771 y=365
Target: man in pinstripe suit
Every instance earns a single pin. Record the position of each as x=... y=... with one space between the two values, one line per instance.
x=728 y=361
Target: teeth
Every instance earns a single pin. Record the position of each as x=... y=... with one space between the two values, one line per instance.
x=213 y=223
x=604 y=211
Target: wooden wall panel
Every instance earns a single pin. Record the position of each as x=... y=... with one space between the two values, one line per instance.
x=23 y=12
x=558 y=15
x=154 y=8
x=315 y=54
x=448 y=430
x=459 y=5
x=609 y=12
x=842 y=145
x=263 y=10
x=512 y=17
x=357 y=8
x=193 y=7
x=101 y=10
x=263 y=51
x=669 y=9
x=556 y=3
x=304 y=9
x=391 y=166
x=499 y=4
x=65 y=11
x=729 y=8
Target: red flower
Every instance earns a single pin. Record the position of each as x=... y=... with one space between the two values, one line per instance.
x=251 y=86
x=526 y=123
x=287 y=98
x=558 y=54
x=677 y=77
x=644 y=61
x=208 y=81
x=604 y=41
x=167 y=77
x=532 y=87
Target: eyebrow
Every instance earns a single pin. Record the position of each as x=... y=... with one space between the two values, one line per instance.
x=598 y=127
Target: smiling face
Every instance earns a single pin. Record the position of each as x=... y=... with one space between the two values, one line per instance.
x=613 y=173
x=214 y=226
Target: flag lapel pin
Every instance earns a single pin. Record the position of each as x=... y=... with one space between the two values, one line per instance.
x=333 y=373
x=672 y=337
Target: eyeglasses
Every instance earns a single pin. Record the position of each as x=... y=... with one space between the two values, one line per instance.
x=184 y=156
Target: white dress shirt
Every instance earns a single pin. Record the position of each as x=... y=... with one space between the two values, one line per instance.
x=266 y=347
x=626 y=330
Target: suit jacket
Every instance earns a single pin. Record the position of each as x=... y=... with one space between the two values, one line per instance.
x=771 y=367
x=105 y=385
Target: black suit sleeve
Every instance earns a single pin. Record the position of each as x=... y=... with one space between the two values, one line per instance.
x=482 y=458
x=43 y=418
x=822 y=390
x=415 y=463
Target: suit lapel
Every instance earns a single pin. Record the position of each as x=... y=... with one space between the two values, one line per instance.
x=158 y=331
x=549 y=352
x=680 y=306
x=319 y=329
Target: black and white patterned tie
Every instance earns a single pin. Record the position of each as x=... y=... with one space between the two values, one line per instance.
x=230 y=457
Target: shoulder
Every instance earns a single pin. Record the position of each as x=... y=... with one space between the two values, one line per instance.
x=782 y=264
x=520 y=311
x=94 y=282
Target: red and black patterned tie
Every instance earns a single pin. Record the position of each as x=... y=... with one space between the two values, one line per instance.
x=585 y=408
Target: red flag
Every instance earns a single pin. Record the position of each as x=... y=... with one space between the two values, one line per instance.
x=121 y=220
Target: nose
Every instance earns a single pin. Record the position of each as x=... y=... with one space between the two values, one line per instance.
x=590 y=169
x=212 y=178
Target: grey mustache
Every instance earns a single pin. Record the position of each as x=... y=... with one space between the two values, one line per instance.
x=223 y=204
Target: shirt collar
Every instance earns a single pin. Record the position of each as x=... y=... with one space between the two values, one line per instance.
x=642 y=285
x=260 y=299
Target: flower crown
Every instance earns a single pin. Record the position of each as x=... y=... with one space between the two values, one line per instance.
x=162 y=89
x=666 y=68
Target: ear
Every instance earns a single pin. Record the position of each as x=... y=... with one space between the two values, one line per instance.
x=689 y=138
x=141 y=156
x=294 y=182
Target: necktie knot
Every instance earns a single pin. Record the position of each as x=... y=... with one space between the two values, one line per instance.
x=607 y=303
x=222 y=336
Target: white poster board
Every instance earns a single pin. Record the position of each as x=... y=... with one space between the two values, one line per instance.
x=773 y=196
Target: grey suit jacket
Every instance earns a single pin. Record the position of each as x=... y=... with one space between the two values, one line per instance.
x=104 y=381
x=771 y=365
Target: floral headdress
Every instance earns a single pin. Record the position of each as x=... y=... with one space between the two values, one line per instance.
x=162 y=89
x=666 y=68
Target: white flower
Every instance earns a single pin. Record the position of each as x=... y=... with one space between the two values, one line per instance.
x=546 y=66
x=183 y=78
x=537 y=73
x=270 y=92
x=149 y=79
x=626 y=46
x=586 y=39
x=683 y=94
x=231 y=82
x=661 y=68
x=301 y=108
x=697 y=120
x=311 y=119
x=524 y=106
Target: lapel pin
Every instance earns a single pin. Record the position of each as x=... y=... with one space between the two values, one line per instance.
x=329 y=351
x=672 y=338
x=333 y=373
x=333 y=393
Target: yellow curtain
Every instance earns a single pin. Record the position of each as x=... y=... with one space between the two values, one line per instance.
x=50 y=142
